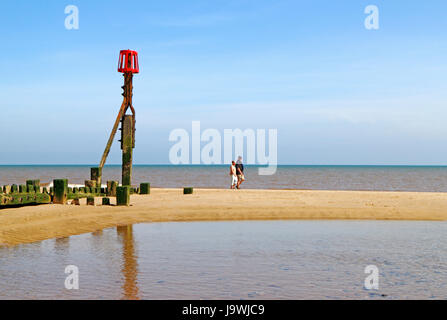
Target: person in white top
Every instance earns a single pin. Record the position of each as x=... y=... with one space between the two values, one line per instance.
x=233 y=175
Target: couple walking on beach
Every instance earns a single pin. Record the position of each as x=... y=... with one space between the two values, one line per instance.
x=237 y=173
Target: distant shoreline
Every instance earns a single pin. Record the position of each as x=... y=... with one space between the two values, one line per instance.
x=248 y=165
x=287 y=177
x=31 y=224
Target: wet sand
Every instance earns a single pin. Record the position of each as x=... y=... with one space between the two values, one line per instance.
x=31 y=224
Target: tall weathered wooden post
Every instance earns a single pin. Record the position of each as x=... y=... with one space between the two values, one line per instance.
x=127 y=146
x=128 y=65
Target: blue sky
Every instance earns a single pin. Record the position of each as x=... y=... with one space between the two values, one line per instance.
x=336 y=92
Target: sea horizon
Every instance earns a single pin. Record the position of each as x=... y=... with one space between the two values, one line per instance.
x=422 y=178
x=225 y=165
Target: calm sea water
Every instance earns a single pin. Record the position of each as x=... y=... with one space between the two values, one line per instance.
x=235 y=260
x=390 y=178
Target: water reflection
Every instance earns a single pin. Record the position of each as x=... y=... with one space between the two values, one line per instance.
x=97 y=233
x=129 y=266
x=62 y=244
x=235 y=260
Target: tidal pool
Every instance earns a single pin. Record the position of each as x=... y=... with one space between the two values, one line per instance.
x=235 y=260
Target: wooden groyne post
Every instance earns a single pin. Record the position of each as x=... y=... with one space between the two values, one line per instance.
x=111 y=188
x=127 y=145
x=145 y=188
x=123 y=196
x=60 y=191
x=95 y=175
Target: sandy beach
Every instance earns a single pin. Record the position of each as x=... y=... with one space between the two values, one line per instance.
x=31 y=224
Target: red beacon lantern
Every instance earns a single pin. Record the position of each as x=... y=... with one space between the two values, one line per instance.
x=128 y=62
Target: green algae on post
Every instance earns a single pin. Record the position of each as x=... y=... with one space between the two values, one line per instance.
x=123 y=196
x=90 y=183
x=111 y=188
x=90 y=201
x=127 y=147
x=95 y=175
x=33 y=183
x=18 y=199
x=60 y=191
x=145 y=188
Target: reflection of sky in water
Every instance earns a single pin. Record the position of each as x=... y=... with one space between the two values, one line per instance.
x=234 y=260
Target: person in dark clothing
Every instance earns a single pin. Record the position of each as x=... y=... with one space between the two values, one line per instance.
x=240 y=172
